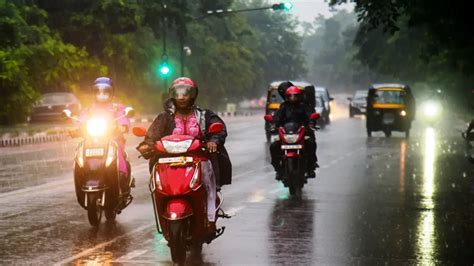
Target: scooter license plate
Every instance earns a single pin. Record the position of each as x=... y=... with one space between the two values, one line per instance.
x=181 y=159
x=291 y=147
x=97 y=152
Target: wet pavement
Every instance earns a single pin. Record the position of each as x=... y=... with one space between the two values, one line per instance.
x=374 y=201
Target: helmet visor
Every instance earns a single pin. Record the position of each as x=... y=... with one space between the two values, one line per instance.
x=179 y=91
x=103 y=92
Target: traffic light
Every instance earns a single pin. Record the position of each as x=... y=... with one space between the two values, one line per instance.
x=285 y=6
x=164 y=70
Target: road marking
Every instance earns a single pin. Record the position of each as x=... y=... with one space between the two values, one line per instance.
x=132 y=255
x=232 y=211
x=102 y=245
x=58 y=184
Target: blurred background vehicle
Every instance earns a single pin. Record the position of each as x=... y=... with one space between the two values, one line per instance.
x=324 y=93
x=358 y=103
x=322 y=110
x=51 y=105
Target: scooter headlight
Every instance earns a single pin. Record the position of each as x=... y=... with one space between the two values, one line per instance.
x=291 y=138
x=177 y=146
x=96 y=127
x=403 y=113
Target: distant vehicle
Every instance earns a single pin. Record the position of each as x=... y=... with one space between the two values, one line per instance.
x=358 y=103
x=322 y=110
x=51 y=106
x=323 y=92
x=390 y=109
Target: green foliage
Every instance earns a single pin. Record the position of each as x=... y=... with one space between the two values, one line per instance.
x=426 y=40
x=65 y=45
x=34 y=60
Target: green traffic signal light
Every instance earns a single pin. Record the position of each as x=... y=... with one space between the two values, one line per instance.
x=286 y=6
x=164 y=69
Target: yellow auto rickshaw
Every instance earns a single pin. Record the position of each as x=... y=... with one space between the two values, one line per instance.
x=390 y=107
x=275 y=98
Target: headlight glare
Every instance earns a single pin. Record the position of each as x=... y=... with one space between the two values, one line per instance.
x=96 y=127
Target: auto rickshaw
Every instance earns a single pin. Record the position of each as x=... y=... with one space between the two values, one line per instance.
x=275 y=98
x=390 y=107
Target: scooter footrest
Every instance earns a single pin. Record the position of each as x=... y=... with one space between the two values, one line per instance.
x=222 y=214
x=218 y=233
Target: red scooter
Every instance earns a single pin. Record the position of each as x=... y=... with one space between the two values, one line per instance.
x=178 y=192
x=294 y=163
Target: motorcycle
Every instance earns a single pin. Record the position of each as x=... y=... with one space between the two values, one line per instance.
x=469 y=139
x=96 y=172
x=178 y=193
x=294 y=162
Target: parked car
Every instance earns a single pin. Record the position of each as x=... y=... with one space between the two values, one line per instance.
x=322 y=110
x=324 y=93
x=51 y=106
x=358 y=103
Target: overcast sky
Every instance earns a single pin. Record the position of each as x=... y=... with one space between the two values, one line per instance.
x=307 y=10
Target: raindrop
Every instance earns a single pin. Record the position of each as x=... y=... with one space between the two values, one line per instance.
x=388 y=166
x=464 y=174
x=453 y=185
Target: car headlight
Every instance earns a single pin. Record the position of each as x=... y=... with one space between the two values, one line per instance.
x=403 y=113
x=177 y=146
x=291 y=138
x=431 y=109
x=96 y=127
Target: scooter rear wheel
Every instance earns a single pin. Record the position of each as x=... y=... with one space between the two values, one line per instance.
x=94 y=212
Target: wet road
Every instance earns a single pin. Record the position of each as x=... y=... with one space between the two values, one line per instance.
x=374 y=201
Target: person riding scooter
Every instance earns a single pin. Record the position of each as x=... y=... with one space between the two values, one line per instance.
x=294 y=110
x=181 y=116
x=103 y=90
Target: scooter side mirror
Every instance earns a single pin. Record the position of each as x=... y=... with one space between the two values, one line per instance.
x=268 y=118
x=349 y=99
x=67 y=113
x=314 y=116
x=139 y=131
x=129 y=112
x=216 y=128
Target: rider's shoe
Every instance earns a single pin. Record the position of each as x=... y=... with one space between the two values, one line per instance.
x=279 y=176
x=311 y=174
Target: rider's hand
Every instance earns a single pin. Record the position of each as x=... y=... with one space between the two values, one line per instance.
x=144 y=148
x=123 y=129
x=211 y=146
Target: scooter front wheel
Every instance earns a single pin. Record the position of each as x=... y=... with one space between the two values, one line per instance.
x=177 y=241
x=94 y=212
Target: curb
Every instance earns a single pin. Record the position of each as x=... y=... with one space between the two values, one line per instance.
x=18 y=141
